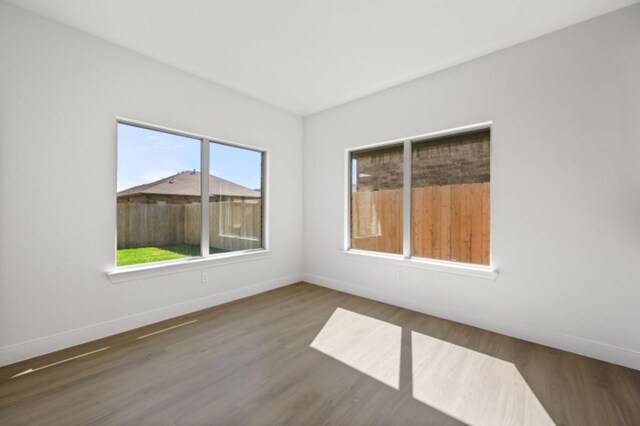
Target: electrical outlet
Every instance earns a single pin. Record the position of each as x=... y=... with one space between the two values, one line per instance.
x=400 y=276
x=205 y=277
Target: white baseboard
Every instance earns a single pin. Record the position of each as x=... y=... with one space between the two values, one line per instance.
x=32 y=348
x=602 y=351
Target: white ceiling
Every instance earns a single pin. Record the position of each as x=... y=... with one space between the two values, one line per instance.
x=308 y=55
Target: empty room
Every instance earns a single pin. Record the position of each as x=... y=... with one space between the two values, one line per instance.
x=306 y=212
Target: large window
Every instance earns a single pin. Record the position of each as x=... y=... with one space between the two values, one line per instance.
x=235 y=200
x=162 y=197
x=447 y=195
x=376 y=200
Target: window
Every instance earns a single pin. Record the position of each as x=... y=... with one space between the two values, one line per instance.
x=162 y=197
x=235 y=198
x=448 y=195
x=376 y=200
x=450 y=181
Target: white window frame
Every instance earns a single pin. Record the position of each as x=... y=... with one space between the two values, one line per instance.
x=406 y=259
x=130 y=272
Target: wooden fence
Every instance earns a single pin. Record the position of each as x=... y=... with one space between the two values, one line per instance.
x=376 y=220
x=448 y=222
x=233 y=225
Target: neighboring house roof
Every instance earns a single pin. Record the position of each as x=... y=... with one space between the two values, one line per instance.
x=188 y=183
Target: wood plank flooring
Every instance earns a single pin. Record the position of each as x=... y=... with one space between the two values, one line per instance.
x=250 y=362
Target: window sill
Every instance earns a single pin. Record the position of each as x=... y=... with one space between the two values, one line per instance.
x=137 y=272
x=443 y=266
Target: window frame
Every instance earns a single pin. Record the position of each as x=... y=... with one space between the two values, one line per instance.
x=124 y=273
x=482 y=271
x=349 y=236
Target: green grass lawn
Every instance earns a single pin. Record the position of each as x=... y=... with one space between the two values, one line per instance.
x=134 y=256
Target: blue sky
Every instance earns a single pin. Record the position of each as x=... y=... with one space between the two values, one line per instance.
x=146 y=155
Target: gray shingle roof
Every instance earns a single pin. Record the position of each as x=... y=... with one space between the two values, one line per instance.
x=188 y=183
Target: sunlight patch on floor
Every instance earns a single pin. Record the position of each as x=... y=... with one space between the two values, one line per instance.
x=475 y=388
x=369 y=345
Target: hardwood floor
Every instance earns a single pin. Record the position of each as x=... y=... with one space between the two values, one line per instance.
x=251 y=362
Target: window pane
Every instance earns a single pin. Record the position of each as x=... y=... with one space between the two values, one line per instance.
x=158 y=196
x=450 y=198
x=235 y=199
x=376 y=200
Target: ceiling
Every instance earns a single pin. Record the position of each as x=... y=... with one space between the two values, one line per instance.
x=308 y=55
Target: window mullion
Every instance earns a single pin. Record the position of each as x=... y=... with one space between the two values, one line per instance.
x=406 y=197
x=204 y=198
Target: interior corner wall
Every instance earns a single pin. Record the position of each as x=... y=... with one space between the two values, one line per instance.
x=60 y=93
x=565 y=189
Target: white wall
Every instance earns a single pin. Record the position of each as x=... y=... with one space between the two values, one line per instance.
x=60 y=92
x=565 y=189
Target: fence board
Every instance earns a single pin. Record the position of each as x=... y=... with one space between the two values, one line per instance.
x=465 y=224
x=485 y=224
x=476 y=224
x=445 y=222
x=436 y=213
x=456 y=249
